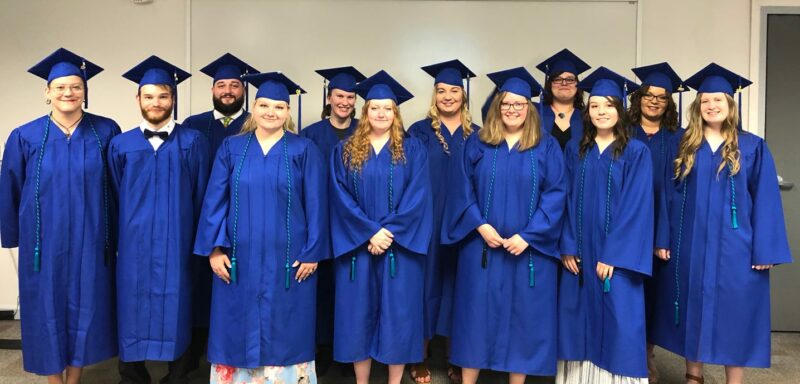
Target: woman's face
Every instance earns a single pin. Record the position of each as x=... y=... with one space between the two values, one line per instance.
x=602 y=112
x=449 y=98
x=342 y=103
x=714 y=107
x=66 y=93
x=513 y=111
x=380 y=114
x=564 y=87
x=654 y=103
x=270 y=114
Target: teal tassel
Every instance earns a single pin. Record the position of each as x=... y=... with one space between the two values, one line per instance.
x=36 y=259
x=392 y=271
x=484 y=258
x=607 y=285
x=353 y=269
x=531 y=281
x=677 y=311
x=233 y=270
x=288 y=275
x=734 y=219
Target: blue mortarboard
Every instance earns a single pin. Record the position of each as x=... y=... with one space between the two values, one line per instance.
x=517 y=81
x=276 y=86
x=63 y=63
x=563 y=61
x=605 y=82
x=228 y=67
x=451 y=72
x=344 y=78
x=663 y=76
x=715 y=78
x=382 y=86
x=156 y=71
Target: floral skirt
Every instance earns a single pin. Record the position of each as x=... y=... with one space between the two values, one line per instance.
x=303 y=373
x=585 y=372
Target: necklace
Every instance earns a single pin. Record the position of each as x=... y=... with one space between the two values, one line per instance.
x=562 y=115
x=67 y=128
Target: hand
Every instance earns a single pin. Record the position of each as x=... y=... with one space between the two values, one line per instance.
x=490 y=236
x=305 y=271
x=374 y=250
x=763 y=267
x=381 y=240
x=219 y=265
x=604 y=271
x=661 y=253
x=515 y=245
x=570 y=263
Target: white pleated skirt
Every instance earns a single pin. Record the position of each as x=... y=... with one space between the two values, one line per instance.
x=585 y=372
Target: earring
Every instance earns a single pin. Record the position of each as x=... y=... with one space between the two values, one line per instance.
x=47 y=101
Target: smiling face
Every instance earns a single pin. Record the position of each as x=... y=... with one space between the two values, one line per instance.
x=270 y=114
x=66 y=93
x=228 y=96
x=380 y=114
x=342 y=103
x=603 y=113
x=564 y=87
x=513 y=111
x=714 y=108
x=449 y=98
x=155 y=102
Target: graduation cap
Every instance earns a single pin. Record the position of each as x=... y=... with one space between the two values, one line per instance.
x=344 y=78
x=715 y=78
x=276 y=86
x=156 y=71
x=63 y=63
x=563 y=61
x=517 y=81
x=605 y=82
x=663 y=76
x=228 y=67
x=383 y=86
x=451 y=72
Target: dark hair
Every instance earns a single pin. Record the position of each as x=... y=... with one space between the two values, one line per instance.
x=670 y=118
x=621 y=132
x=548 y=93
x=326 y=110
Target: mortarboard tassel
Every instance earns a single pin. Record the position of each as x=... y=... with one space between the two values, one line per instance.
x=299 y=111
x=288 y=274
x=392 y=264
x=324 y=91
x=469 y=100
x=625 y=96
x=680 y=106
x=246 y=91
x=353 y=269
x=175 y=92
x=531 y=281
x=234 y=270
x=739 y=93
x=85 y=85
x=541 y=103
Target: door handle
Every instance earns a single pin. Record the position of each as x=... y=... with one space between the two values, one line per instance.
x=784 y=185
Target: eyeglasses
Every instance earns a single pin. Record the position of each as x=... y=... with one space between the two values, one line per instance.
x=61 y=89
x=651 y=97
x=565 y=80
x=516 y=106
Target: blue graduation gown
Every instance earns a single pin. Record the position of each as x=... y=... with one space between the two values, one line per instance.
x=160 y=194
x=215 y=133
x=500 y=321
x=323 y=135
x=616 y=228
x=724 y=310
x=257 y=321
x=441 y=260
x=67 y=308
x=575 y=123
x=378 y=316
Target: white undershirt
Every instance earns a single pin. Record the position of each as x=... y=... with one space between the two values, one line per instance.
x=155 y=141
x=218 y=115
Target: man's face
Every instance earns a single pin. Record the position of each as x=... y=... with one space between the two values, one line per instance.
x=228 y=96
x=155 y=102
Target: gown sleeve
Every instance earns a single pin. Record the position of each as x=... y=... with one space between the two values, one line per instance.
x=200 y=172
x=212 y=227
x=629 y=243
x=770 y=242
x=412 y=223
x=350 y=226
x=12 y=178
x=315 y=204
x=543 y=230
x=568 y=244
x=462 y=215
x=661 y=194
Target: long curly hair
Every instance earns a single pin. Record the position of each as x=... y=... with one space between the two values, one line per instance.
x=668 y=121
x=621 y=132
x=357 y=148
x=693 y=138
x=436 y=122
x=492 y=131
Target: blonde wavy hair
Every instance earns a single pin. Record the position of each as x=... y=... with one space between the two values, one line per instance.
x=492 y=131
x=436 y=122
x=250 y=124
x=357 y=148
x=693 y=138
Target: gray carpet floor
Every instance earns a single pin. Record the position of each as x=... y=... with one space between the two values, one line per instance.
x=785 y=367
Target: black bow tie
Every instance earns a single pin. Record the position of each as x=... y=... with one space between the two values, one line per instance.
x=161 y=135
